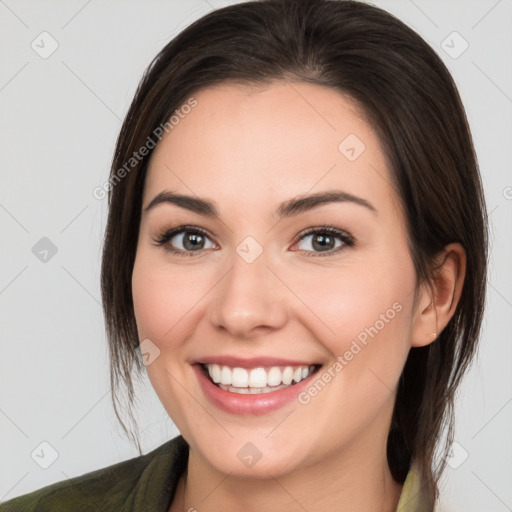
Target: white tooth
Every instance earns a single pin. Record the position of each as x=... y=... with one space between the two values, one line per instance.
x=214 y=371
x=243 y=391
x=274 y=376
x=288 y=375
x=258 y=378
x=254 y=391
x=240 y=378
x=225 y=376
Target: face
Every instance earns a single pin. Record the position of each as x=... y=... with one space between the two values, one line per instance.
x=257 y=282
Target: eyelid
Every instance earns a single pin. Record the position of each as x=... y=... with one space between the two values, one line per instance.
x=325 y=228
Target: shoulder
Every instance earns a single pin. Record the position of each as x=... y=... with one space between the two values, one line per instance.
x=133 y=484
x=413 y=497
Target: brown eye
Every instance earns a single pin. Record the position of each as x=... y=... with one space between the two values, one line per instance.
x=184 y=241
x=326 y=240
x=191 y=241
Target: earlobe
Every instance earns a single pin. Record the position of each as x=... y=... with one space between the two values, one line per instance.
x=438 y=300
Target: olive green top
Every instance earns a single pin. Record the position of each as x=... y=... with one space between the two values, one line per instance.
x=143 y=484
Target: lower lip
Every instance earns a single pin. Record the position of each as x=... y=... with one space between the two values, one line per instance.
x=247 y=404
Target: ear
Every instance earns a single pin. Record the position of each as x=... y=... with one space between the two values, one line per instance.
x=438 y=301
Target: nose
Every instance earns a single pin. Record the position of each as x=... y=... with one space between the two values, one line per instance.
x=250 y=300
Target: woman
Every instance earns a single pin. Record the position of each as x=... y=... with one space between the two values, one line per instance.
x=296 y=254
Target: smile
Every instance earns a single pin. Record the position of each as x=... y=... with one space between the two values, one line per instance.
x=254 y=390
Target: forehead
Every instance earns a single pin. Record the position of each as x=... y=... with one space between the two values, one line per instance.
x=262 y=145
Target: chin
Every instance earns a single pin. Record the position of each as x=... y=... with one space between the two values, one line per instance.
x=260 y=458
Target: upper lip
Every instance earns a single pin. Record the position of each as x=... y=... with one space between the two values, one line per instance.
x=253 y=362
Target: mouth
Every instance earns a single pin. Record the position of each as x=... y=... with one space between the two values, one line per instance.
x=259 y=380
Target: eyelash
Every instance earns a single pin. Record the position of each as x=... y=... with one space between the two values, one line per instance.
x=163 y=239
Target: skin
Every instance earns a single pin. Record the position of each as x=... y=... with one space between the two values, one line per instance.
x=249 y=149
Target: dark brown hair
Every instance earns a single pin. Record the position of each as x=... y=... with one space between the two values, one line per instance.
x=411 y=101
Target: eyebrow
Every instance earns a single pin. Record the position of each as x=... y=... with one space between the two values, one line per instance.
x=289 y=208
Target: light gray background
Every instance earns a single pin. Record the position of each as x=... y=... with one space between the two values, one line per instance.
x=60 y=119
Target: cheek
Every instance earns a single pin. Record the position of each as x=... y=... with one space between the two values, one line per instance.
x=160 y=299
x=363 y=311
x=161 y=302
x=169 y=302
